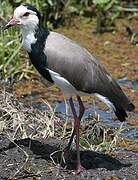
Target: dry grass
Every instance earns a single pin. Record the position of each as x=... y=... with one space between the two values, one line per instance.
x=18 y=121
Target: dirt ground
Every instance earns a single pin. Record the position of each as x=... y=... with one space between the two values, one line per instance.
x=33 y=157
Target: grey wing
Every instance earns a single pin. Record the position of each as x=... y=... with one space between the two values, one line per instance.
x=82 y=69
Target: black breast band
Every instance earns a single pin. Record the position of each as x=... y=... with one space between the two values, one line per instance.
x=37 y=56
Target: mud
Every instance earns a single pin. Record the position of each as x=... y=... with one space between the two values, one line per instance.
x=30 y=159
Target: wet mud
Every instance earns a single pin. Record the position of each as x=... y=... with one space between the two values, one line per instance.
x=38 y=165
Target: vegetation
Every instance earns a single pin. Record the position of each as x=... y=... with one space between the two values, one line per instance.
x=20 y=121
x=56 y=13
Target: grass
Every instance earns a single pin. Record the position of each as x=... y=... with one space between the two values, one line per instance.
x=13 y=60
x=19 y=121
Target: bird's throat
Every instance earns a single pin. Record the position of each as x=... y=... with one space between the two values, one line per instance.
x=28 y=39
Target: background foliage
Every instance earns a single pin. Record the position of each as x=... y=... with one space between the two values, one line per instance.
x=56 y=13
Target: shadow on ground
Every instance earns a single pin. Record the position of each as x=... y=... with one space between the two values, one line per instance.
x=89 y=159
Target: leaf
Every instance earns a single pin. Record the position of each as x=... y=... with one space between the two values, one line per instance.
x=50 y=2
x=101 y=2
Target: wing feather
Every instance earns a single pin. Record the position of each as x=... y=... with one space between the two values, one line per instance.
x=82 y=69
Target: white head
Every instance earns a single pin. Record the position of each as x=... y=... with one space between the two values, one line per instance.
x=29 y=20
x=25 y=16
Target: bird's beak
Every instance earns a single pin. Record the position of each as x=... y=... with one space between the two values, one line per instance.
x=12 y=22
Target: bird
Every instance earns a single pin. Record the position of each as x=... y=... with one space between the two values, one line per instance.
x=72 y=68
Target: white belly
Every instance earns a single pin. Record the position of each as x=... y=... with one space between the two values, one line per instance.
x=69 y=90
x=63 y=84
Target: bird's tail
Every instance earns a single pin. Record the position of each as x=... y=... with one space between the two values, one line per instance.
x=121 y=113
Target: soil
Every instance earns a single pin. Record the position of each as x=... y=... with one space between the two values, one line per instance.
x=27 y=159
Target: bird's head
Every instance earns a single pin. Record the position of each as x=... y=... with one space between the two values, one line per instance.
x=25 y=16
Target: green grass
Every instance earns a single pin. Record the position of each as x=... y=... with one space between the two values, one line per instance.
x=10 y=45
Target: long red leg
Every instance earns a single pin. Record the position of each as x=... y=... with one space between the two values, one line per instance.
x=81 y=112
x=81 y=107
x=76 y=129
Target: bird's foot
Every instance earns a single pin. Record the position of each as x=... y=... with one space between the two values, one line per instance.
x=80 y=169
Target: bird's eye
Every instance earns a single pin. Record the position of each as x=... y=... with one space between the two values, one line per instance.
x=26 y=14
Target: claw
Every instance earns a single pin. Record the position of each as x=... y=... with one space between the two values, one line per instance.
x=80 y=169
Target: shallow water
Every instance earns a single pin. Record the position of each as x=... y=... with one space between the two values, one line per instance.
x=129 y=83
x=106 y=117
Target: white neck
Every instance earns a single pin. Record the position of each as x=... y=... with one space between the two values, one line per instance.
x=28 y=39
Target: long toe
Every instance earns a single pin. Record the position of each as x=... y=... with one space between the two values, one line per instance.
x=79 y=169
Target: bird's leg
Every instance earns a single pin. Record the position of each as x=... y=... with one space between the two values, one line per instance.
x=81 y=107
x=81 y=112
x=76 y=129
x=80 y=168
